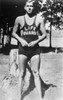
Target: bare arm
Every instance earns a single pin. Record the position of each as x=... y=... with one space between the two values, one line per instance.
x=42 y=30
x=15 y=28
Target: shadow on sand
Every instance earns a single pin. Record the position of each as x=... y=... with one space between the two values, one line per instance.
x=31 y=86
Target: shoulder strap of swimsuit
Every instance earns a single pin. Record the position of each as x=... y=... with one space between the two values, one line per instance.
x=26 y=22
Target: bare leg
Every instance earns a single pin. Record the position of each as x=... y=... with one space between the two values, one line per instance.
x=22 y=62
x=35 y=69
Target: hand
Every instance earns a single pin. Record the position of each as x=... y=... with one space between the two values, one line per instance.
x=32 y=44
x=24 y=43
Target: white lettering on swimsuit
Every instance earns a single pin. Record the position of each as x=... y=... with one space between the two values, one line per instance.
x=28 y=33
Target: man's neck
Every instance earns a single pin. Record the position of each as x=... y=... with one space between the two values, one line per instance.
x=29 y=15
x=29 y=19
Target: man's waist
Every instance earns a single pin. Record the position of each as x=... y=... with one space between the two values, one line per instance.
x=29 y=38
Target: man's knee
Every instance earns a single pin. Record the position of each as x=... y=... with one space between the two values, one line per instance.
x=35 y=73
x=22 y=74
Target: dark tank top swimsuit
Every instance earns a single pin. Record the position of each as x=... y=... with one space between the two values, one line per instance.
x=29 y=32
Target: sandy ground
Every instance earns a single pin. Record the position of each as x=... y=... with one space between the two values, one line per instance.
x=51 y=70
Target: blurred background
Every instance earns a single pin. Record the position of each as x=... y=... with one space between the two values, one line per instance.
x=52 y=12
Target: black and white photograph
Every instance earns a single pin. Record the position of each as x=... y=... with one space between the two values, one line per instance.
x=31 y=49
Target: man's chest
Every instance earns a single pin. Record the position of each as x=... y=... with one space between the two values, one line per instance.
x=29 y=24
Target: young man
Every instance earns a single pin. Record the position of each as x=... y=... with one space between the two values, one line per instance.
x=31 y=26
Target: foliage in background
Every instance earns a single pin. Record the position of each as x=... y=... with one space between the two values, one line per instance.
x=53 y=11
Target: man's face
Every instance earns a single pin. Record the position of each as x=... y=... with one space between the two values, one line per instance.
x=29 y=7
